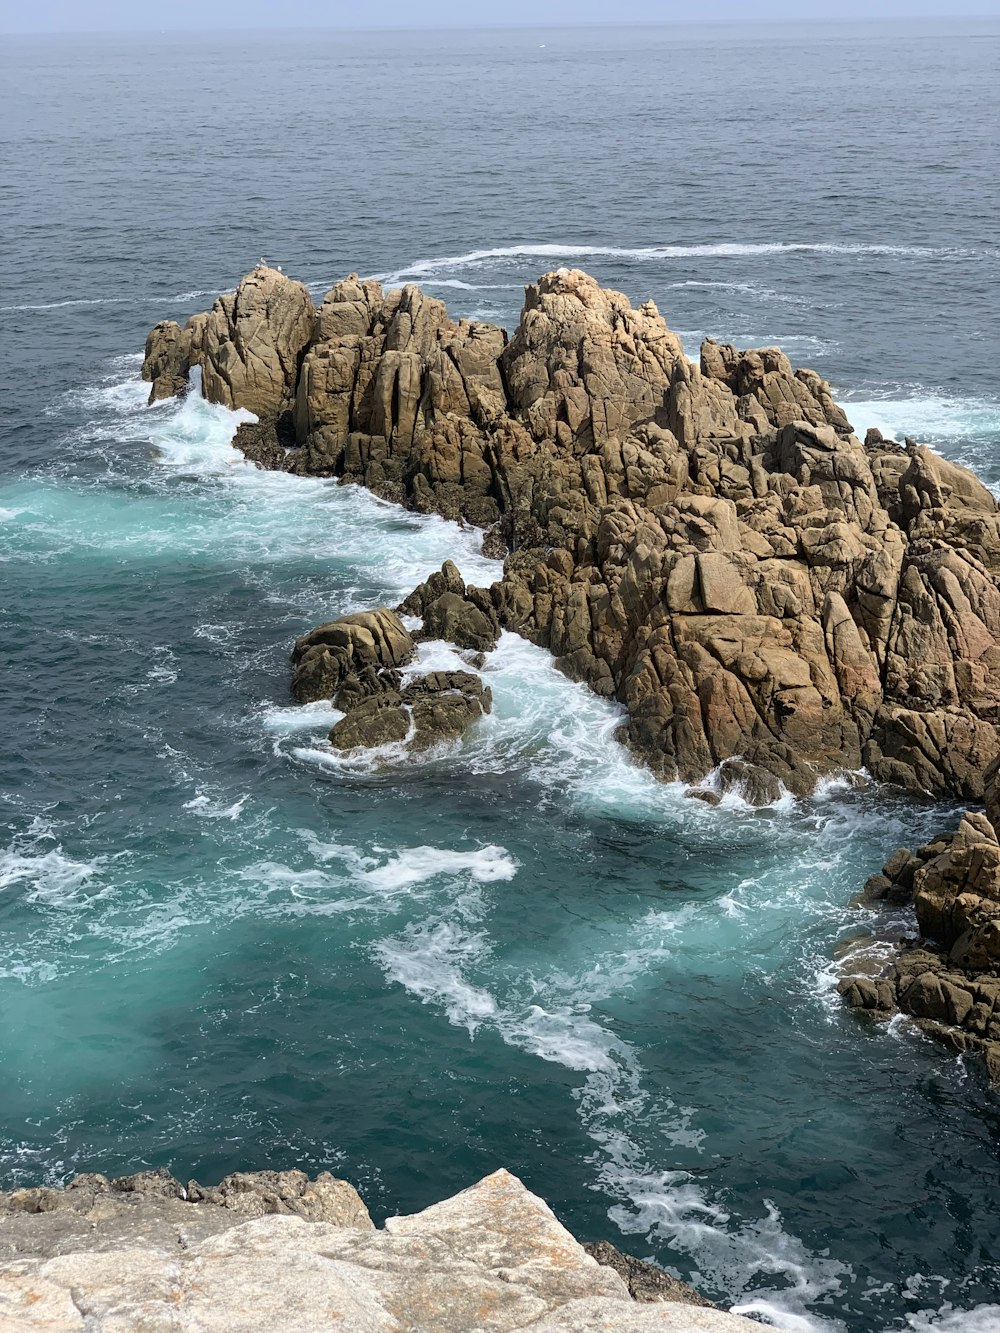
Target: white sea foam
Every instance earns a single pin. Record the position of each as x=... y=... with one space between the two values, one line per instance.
x=212 y=807
x=671 y=1207
x=427 y=960
x=752 y=289
x=244 y=514
x=180 y=298
x=50 y=878
x=948 y=1319
x=416 y=865
x=293 y=718
x=430 y=959
x=713 y=250
x=925 y=416
x=60 y=305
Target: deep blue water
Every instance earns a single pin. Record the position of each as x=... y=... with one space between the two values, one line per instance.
x=225 y=949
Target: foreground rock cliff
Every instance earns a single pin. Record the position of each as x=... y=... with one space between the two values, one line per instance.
x=277 y=1251
x=709 y=544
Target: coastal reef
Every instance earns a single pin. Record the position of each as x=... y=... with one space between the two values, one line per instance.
x=770 y=598
x=947 y=980
x=278 y=1251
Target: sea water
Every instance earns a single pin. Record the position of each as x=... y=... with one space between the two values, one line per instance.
x=227 y=947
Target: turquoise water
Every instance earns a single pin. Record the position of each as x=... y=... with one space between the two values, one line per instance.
x=226 y=948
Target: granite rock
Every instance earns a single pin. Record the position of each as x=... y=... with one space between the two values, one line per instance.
x=948 y=980
x=708 y=543
x=492 y=1258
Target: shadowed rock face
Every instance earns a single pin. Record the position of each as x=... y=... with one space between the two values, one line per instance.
x=948 y=981
x=645 y=1281
x=709 y=544
x=276 y=1251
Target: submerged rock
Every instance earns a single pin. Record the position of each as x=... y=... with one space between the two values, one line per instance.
x=109 y=1257
x=707 y=543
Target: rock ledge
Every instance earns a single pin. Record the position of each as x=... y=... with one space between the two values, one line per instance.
x=277 y=1251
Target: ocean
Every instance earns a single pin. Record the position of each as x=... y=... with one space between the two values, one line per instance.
x=226 y=948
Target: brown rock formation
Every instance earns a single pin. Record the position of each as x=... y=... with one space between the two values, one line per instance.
x=249 y=345
x=355 y=662
x=709 y=544
x=645 y=1282
x=949 y=980
x=168 y=360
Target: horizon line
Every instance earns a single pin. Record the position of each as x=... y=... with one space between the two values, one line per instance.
x=742 y=22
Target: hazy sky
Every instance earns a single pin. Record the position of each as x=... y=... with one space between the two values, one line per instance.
x=123 y=15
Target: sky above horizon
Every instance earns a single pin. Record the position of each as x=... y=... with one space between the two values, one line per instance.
x=203 y=15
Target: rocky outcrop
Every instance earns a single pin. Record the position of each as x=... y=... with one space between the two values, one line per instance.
x=167 y=362
x=249 y=346
x=350 y=655
x=277 y=1251
x=356 y=662
x=948 y=980
x=707 y=543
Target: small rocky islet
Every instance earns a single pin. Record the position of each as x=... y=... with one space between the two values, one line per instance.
x=771 y=599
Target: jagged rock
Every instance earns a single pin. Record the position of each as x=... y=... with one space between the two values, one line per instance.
x=253 y=340
x=709 y=544
x=266 y=443
x=450 y=610
x=167 y=361
x=355 y=661
x=329 y=655
x=584 y=366
x=437 y=707
x=645 y=1281
x=380 y=720
x=754 y=784
x=444 y=705
x=949 y=981
x=492 y=1257
x=151 y=1208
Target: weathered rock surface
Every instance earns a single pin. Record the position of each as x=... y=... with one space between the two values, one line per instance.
x=146 y=1253
x=249 y=345
x=949 y=979
x=356 y=663
x=349 y=652
x=644 y=1280
x=167 y=362
x=709 y=544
